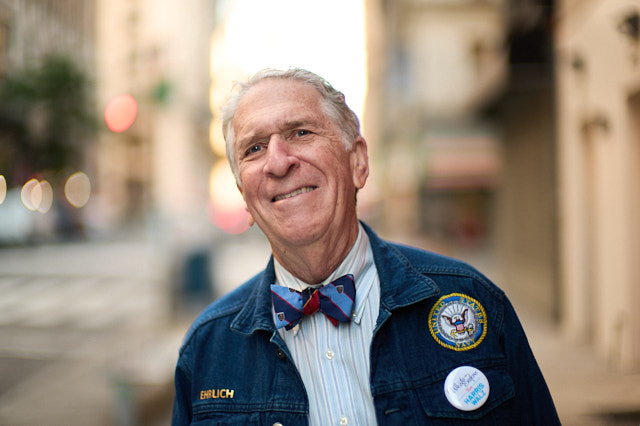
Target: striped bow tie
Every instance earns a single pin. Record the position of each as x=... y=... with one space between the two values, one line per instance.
x=335 y=300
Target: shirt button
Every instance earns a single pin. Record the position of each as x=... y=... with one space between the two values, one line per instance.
x=344 y=421
x=277 y=424
x=329 y=354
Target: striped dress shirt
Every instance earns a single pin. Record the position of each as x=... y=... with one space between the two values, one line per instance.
x=334 y=361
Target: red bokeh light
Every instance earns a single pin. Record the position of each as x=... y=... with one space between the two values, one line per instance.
x=120 y=112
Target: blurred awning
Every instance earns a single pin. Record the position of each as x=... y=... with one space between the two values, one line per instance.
x=468 y=161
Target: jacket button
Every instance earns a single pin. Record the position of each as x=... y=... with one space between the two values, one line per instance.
x=282 y=356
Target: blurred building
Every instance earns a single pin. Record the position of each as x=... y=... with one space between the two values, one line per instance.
x=598 y=48
x=525 y=113
x=157 y=52
x=435 y=60
x=465 y=123
x=32 y=29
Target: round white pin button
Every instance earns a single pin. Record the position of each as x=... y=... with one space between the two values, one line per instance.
x=466 y=388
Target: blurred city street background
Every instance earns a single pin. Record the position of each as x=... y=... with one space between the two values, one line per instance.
x=502 y=132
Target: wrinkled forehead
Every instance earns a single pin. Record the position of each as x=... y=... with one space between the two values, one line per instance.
x=274 y=91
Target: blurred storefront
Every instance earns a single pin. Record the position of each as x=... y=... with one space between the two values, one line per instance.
x=598 y=48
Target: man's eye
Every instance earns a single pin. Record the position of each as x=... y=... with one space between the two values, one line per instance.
x=253 y=149
x=302 y=132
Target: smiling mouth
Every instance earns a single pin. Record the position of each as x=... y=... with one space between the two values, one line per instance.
x=294 y=193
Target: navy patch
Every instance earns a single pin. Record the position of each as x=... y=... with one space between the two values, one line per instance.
x=458 y=322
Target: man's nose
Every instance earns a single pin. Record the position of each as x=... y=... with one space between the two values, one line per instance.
x=280 y=159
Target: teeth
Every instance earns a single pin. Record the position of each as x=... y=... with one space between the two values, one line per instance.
x=294 y=193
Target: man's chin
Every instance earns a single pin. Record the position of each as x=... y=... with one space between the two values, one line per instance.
x=296 y=233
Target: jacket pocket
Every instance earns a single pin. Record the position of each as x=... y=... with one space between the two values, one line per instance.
x=221 y=419
x=210 y=413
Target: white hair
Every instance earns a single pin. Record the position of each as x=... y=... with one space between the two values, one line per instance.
x=333 y=104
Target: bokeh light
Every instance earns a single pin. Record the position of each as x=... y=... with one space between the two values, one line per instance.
x=3 y=189
x=31 y=194
x=226 y=208
x=77 y=189
x=37 y=195
x=120 y=112
x=46 y=196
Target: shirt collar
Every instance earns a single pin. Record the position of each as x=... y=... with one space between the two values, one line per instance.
x=358 y=262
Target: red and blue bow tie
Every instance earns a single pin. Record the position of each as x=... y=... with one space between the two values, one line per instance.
x=335 y=300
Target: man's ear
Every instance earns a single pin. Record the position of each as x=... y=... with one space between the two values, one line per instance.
x=359 y=162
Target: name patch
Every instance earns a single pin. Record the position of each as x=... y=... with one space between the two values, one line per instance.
x=458 y=322
x=216 y=393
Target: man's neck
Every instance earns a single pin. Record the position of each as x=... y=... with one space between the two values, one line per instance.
x=313 y=263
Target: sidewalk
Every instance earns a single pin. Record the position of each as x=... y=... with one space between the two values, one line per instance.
x=83 y=333
x=585 y=390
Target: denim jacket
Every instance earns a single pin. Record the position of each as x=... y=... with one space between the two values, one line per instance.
x=234 y=369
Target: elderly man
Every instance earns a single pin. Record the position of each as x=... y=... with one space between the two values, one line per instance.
x=342 y=327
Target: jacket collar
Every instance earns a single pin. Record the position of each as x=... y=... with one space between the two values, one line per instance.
x=257 y=313
x=400 y=285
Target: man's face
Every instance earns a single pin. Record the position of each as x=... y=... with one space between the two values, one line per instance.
x=296 y=177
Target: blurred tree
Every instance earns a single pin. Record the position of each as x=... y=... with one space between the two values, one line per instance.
x=46 y=119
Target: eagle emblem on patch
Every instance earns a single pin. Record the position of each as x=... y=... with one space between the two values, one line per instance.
x=458 y=322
